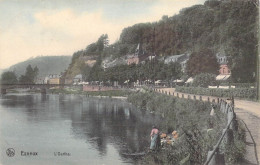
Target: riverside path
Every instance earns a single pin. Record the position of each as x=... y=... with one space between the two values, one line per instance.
x=249 y=114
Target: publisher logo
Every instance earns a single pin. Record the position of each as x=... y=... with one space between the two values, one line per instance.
x=10 y=152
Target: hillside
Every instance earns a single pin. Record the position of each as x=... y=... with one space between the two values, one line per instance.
x=223 y=26
x=46 y=64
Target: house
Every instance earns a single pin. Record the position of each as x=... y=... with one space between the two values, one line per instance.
x=52 y=79
x=46 y=80
x=190 y=80
x=40 y=80
x=181 y=59
x=77 y=78
x=224 y=71
x=223 y=61
x=132 y=59
x=110 y=62
x=135 y=58
x=68 y=81
x=139 y=56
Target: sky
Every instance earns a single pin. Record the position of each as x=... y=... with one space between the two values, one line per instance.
x=30 y=28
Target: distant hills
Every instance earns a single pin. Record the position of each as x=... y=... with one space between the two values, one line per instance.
x=46 y=65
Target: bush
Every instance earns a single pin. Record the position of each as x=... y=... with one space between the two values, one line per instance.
x=243 y=93
x=239 y=85
x=204 y=80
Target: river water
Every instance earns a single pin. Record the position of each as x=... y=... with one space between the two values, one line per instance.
x=71 y=129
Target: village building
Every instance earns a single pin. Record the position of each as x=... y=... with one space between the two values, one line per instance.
x=78 y=78
x=110 y=62
x=181 y=59
x=40 y=80
x=52 y=79
x=46 y=80
x=68 y=81
x=139 y=56
x=224 y=71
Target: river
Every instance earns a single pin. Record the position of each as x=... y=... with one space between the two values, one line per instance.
x=71 y=129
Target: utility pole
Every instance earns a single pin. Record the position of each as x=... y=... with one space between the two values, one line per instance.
x=153 y=57
x=258 y=58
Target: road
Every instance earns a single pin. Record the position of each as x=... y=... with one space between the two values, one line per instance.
x=249 y=114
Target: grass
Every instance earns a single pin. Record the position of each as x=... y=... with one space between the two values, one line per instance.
x=122 y=93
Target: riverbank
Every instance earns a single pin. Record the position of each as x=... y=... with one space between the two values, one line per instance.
x=192 y=120
x=120 y=94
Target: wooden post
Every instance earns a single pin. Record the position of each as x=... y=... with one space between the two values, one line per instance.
x=218 y=100
x=3 y=91
x=217 y=159
x=200 y=98
x=234 y=125
x=229 y=136
x=182 y=95
x=227 y=106
x=188 y=96
x=224 y=107
x=194 y=97
x=258 y=64
x=208 y=99
x=43 y=91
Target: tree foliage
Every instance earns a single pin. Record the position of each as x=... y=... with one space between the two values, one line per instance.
x=204 y=80
x=30 y=75
x=229 y=26
x=97 y=47
x=150 y=70
x=9 y=77
x=203 y=61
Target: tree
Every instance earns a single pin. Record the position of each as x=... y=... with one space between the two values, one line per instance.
x=203 y=61
x=92 y=48
x=8 y=78
x=174 y=71
x=35 y=72
x=85 y=71
x=30 y=75
x=102 y=42
x=204 y=80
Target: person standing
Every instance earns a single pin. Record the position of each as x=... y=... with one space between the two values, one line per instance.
x=154 y=138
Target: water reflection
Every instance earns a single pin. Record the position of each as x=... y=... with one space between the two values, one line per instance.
x=97 y=122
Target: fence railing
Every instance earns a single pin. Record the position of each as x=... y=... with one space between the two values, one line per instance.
x=214 y=157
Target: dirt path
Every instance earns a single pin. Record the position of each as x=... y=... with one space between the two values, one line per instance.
x=249 y=114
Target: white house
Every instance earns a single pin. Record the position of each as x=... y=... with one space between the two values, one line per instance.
x=77 y=78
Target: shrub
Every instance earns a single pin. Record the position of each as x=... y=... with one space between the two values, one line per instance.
x=243 y=93
x=204 y=80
